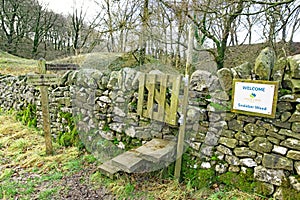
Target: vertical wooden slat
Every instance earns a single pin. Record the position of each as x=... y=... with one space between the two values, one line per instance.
x=163 y=91
x=160 y=98
x=172 y=114
x=150 y=85
x=181 y=134
x=45 y=111
x=141 y=94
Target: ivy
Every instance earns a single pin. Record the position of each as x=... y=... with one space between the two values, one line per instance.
x=70 y=137
x=28 y=116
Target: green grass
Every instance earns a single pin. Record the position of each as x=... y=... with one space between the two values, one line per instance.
x=29 y=174
x=22 y=151
x=48 y=193
x=10 y=64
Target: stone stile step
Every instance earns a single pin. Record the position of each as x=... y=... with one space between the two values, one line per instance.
x=130 y=162
x=158 y=151
x=108 y=169
x=153 y=155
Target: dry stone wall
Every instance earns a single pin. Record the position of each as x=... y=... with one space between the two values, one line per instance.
x=104 y=105
x=233 y=142
x=15 y=93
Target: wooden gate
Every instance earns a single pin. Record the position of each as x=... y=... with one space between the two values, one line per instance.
x=159 y=98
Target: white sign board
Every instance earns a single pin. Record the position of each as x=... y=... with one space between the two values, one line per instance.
x=255 y=97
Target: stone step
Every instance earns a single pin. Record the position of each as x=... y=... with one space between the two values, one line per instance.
x=158 y=151
x=109 y=169
x=130 y=162
x=153 y=155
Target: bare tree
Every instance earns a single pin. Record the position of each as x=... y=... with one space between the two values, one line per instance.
x=14 y=18
x=81 y=30
x=143 y=34
x=43 y=21
x=215 y=21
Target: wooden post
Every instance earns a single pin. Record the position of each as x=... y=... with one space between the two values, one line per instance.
x=45 y=110
x=189 y=51
x=181 y=135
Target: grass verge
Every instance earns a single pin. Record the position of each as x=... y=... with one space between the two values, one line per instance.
x=27 y=173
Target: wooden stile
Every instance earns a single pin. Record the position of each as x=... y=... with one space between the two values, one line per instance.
x=153 y=102
x=158 y=99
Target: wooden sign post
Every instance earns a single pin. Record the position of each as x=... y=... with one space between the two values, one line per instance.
x=44 y=80
x=45 y=112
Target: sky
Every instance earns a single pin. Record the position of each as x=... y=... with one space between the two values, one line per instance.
x=90 y=7
x=67 y=6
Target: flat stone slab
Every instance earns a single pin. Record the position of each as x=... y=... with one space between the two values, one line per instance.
x=109 y=169
x=129 y=162
x=158 y=150
x=153 y=155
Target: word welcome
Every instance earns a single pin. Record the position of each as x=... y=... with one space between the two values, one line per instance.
x=259 y=89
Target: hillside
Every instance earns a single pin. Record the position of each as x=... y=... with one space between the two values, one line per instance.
x=10 y=64
x=105 y=61
x=237 y=55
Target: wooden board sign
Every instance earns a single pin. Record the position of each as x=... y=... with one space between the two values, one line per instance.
x=43 y=79
x=255 y=97
x=61 y=67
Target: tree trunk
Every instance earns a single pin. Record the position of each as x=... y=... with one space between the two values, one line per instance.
x=143 y=38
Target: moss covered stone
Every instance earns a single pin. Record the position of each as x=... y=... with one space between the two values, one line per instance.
x=261 y=145
x=295 y=155
x=236 y=125
x=291 y=143
x=284 y=106
x=275 y=135
x=296 y=127
x=241 y=181
x=225 y=78
x=289 y=133
x=231 y=143
x=278 y=71
x=242 y=136
x=272 y=176
x=263 y=188
x=232 y=160
x=285 y=116
x=274 y=161
x=294 y=62
x=243 y=71
x=255 y=130
x=244 y=152
x=265 y=63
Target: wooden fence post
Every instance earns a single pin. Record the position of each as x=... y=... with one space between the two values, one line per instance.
x=181 y=134
x=45 y=110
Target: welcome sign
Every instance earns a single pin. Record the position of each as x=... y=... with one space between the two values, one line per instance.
x=255 y=97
